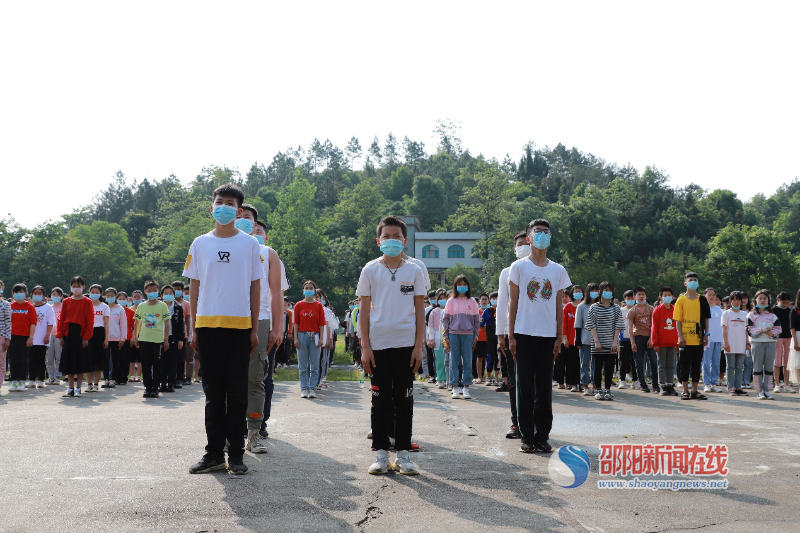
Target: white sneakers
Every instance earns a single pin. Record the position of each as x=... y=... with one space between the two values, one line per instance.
x=717 y=389
x=621 y=385
x=312 y=393
x=381 y=464
x=304 y=393
x=778 y=389
x=254 y=443
x=17 y=386
x=456 y=390
x=466 y=394
x=403 y=464
x=40 y=384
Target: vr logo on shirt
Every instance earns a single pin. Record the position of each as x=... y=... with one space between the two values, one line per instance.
x=224 y=257
x=407 y=288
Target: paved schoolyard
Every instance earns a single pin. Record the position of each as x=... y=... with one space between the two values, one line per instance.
x=113 y=461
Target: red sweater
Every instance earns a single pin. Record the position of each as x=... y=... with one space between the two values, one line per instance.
x=129 y=312
x=309 y=317
x=568 y=325
x=79 y=312
x=23 y=316
x=663 y=333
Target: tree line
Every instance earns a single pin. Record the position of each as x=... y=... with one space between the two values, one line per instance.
x=322 y=204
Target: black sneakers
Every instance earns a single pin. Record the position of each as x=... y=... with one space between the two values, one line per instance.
x=542 y=446
x=209 y=463
x=236 y=467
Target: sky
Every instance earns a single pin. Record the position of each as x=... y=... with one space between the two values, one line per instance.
x=706 y=91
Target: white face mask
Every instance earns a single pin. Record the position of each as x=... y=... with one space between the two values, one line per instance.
x=523 y=250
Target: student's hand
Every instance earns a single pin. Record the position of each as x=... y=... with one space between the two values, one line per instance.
x=598 y=347
x=180 y=345
x=474 y=342
x=446 y=348
x=105 y=345
x=194 y=344
x=615 y=346
x=649 y=343
x=321 y=344
x=330 y=344
x=681 y=342
x=275 y=338
x=501 y=341
x=556 y=350
x=430 y=344
x=727 y=347
x=297 y=344
x=705 y=340
x=565 y=341
x=367 y=360
x=512 y=346
x=60 y=341
x=416 y=359
x=136 y=343
x=29 y=342
x=633 y=345
x=253 y=339
x=121 y=344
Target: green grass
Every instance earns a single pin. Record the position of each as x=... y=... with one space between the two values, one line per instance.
x=334 y=374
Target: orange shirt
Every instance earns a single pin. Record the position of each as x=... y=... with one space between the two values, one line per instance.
x=79 y=312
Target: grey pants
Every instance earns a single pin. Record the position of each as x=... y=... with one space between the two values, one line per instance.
x=53 y=358
x=256 y=372
x=763 y=357
x=735 y=369
x=666 y=364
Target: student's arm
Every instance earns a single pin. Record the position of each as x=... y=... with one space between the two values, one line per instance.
x=776 y=328
x=725 y=345
x=166 y=320
x=276 y=303
x=513 y=301
x=419 y=342
x=650 y=340
x=630 y=327
x=194 y=286
x=255 y=305
x=559 y=321
x=367 y=357
x=108 y=330
x=29 y=342
x=322 y=321
x=181 y=325
x=654 y=328
x=677 y=317
x=476 y=324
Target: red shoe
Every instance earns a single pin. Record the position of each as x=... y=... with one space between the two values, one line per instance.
x=414 y=447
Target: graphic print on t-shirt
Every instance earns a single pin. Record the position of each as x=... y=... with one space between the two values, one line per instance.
x=150 y=320
x=540 y=283
x=406 y=288
x=669 y=325
x=224 y=257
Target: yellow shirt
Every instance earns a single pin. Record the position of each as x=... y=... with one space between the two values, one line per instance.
x=688 y=313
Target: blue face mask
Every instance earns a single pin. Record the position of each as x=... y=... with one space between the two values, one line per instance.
x=260 y=240
x=19 y=296
x=322 y=302
x=462 y=289
x=309 y=294
x=761 y=306
x=392 y=247
x=245 y=225
x=224 y=214
x=629 y=303
x=178 y=294
x=442 y=303
x=169 y=298
x=137 y=301
x=667 y=299
x=55 y=299
x=94 y=296
x=692 y=285
x=608 y=295
x=594 y=295
x=736 y=307
x=152 y=295
x=123 y=303
x=577 y=296
x=541 y=240
x=352 y=307
x=494 y=302
x=37 y=298
x=485 y=306
x=111 y=300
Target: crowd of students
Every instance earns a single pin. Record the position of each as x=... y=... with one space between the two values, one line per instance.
x=537 y=332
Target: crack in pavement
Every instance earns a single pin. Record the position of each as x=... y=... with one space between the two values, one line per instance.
x=372 y=512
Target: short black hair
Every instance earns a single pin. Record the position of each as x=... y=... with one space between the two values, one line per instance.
x=392 y=220
x=431 y=294
x=178 y=284
x=691 y=275
x=628 y=293
x=165 y=287
x=606 y=285
x=493 y=295
x=120 y=294
x=262 y=224
x=783 y=295
x=229 y=190
x=58 y=290
x=667 y=289
x=537 y=222
x=252 y=209
x=137 y=291
x=78 y=280
x=38 y=288
x=20 y=287
x=637 y=289
x=482 y=295
x=150 y=283
x=520 y=235
x=111 y=289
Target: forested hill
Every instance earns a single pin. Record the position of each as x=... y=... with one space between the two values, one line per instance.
x=322 y=205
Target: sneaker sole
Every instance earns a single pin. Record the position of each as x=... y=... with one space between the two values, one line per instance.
x=378 y=473
x=216 y=468
x=237 y=473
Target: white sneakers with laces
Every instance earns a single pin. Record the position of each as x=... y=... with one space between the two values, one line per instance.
x=403 y=464
x=304 y=393
x=466 y=394
x=381 y=464
x=254 y=443
x=456 y=390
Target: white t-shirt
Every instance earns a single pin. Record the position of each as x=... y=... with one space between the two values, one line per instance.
x=538 y=288
x=44 y=317
x=225 y=268
x=502 y=303
x=736 y=323
x=715 y=325
x=265 y=310
x=420 y=264
x=392 y=318
x=100 y=310
x=118 y=324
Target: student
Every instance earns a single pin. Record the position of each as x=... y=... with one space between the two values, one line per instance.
x=534 y=318
x=734 y=336
x=5 y=331
x=583 y=337
x=186 y=354
x=151 y=336
x=120 y=372
x=567 y=327
x=53 y=355
x=764 y=329
x=489 y=322
x=309 y=338
x=135 y=370
x=640 y=320
x=691 y=316
x=175 y=334
x=573 y=359
x=429 y=358
x=75 y=328
x=747 y=378
x=117 y=335
x=98 y=344
x=664 y=336
x=461 y=322
x=783 y=343
x=712 y=353
x=45 y=320
x=434 y=338
x=605 y=322
x=627 y=362
x=392 y=326
x=326 y=354
x=23 y=327
x=508 y=369
x=225 y=267
x=479 y=361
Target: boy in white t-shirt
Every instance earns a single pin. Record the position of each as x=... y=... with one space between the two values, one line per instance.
x=46 y=319
x=392 y=324
x=225 y=269
x=535 y=316
x=736 y=343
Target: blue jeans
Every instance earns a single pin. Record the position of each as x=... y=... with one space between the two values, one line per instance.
x=586 y=364
x=461 y=355
x=308 y=360
x=711 y=363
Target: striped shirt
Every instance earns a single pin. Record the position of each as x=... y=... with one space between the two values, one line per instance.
x=606 y=320
x=5 y=319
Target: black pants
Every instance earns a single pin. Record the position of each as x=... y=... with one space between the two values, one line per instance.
x=120 y=371
x=180 y=375
x=18 y=354
x=392 y=387
x=690 y=360
x=535 y=387
x=431 y=362
x=111 y=363
x=36 y=363
x=96 y=349
x=626 y=363
x=491 y=353
x=347 y=342
x=568 y=366
x=508 y=368
x=603 y=362
x=150 y=355
x=169 y=363
x=225 y=360
x=506 y=362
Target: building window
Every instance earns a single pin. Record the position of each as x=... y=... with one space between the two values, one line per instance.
x=430 y=252
x=455 y=252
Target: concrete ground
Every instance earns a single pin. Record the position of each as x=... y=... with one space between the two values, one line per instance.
x=113 y=461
